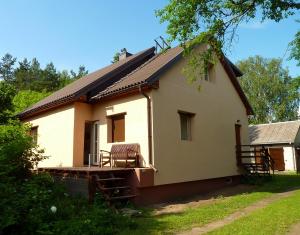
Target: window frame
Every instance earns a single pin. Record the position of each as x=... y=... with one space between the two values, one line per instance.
x=189 y=116
x=111 y=128
x=207 y=72
x=34 y=134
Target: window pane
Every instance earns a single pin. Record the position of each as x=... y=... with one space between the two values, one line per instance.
x=185 y=126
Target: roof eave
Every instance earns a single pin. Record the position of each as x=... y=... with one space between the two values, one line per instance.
x=228 y=68
x=84 y=90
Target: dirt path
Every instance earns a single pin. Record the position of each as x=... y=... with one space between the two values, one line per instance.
x=294 y=230
x=239 y=214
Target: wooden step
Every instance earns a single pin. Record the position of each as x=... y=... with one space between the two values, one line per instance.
x=113 y=188
x=122 y=197
x=251 y=156
x=111 y=179
x=248 y=151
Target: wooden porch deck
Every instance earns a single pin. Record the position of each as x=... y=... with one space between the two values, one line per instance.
x=85 y=170
x=114 y=183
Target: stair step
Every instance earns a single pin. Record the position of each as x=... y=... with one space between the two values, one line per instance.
x=113 y=188
x=111 y=179
x=122 y=197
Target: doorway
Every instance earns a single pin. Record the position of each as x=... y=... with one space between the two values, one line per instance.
x=277 y=156
x=91 y=143
x=238 y=143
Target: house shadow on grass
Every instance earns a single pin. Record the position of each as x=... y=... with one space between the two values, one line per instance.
x=157 y=218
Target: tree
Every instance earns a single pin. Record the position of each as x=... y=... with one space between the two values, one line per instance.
x=50 y=77
x=7 y=92
x=115 y=58
x=28 y=75
x=24 y=99
x=81 y=72
x=215 y=22
x=7 y=68
x=23 y=78
x=295 y=47
x=272 y=93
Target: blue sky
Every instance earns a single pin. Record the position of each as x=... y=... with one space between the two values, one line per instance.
x=72 y=33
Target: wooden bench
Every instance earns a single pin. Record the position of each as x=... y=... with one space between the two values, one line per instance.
x=121 y=155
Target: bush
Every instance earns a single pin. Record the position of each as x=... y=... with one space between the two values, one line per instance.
x=33 y=203
x=18 y=154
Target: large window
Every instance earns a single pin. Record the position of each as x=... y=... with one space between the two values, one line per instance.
x=118 y=128
x=185 y=125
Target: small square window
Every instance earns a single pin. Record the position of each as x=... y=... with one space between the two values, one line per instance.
x=185 y=125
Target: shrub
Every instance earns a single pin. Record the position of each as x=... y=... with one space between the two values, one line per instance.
x=34 y=204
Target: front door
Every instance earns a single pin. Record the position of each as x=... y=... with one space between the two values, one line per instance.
x=91 y=143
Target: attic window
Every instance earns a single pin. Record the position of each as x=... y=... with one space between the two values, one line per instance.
x=207 y=72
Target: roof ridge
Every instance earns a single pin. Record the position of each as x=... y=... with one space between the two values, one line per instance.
x=85 y=83
x=132 y=72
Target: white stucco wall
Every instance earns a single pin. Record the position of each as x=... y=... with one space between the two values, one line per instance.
x=135 y=107
x=55 y=135
x=217 y=107
x=289 y=158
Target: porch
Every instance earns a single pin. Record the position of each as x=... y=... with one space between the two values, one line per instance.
x=114 y=183
x=255 y=160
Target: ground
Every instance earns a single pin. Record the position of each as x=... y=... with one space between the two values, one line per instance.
x=269 y=208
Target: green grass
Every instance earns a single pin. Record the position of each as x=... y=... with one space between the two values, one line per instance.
x=218 y=209
x=276 y=218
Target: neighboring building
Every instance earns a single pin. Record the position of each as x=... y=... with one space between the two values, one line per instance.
x=282 y=140
x=188 y=136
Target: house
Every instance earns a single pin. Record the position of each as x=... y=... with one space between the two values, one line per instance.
x=282 y=139
x=187 y=138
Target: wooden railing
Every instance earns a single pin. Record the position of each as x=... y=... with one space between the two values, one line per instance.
x=254 y=159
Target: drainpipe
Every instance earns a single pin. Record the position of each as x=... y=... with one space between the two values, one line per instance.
x=149 y=119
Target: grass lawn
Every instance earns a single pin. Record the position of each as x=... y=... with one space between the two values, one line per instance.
x=274 y=219
x=220 y=208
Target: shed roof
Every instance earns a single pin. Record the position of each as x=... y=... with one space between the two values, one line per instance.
x=274 y=133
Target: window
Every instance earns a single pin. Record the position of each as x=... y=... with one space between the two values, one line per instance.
x=206 y=75
x=185 y=125
x=34 y=134
x=207 y=72
x=118 y=128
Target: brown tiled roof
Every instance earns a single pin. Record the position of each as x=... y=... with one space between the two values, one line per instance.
x=274 y=133
x=145 y=70
x=85 y=84
x=146 y=73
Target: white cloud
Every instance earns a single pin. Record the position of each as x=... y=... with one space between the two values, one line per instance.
x=254 y=25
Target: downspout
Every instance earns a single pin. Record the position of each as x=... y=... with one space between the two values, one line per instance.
x=149 y=123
